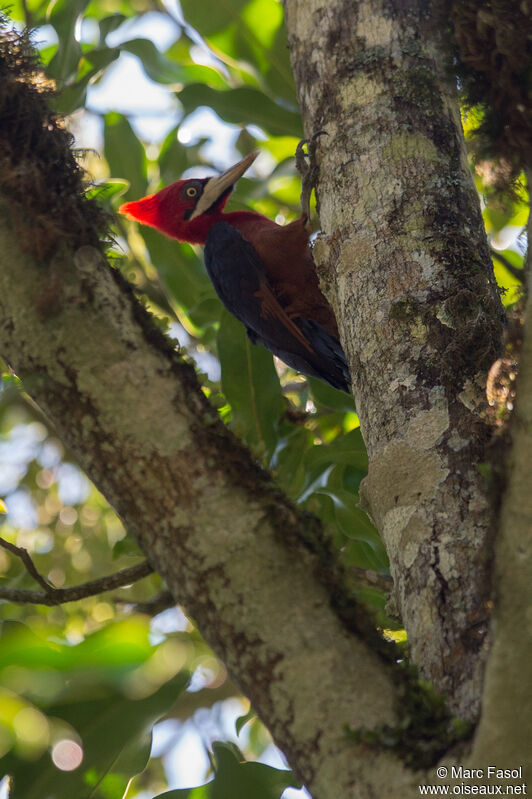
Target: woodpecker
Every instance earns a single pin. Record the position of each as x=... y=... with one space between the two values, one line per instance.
x=263 y=272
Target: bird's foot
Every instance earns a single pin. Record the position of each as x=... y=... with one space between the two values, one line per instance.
x=307 y=170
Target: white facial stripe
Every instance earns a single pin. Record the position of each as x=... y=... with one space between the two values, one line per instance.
x=215 y=187
x=209 y=196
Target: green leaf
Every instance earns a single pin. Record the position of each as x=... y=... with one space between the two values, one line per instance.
x=288 y=461
x=278 y=75
x=122 y=644
x=498 y=215
x=241 y=721
x=135 y=755
x=513 y=287
x=112 y=732
x=366 y=548
x=107 y=189
x=162 y=69
x=361 y=554
x=109 y=24
x=243 y=106
x=326 y=396
x=263 y=18
x=125 y=154
x=91 y=65
x=155 y=64
x=353 y=521
x=349 y=450
x=237 y=779
x=262 y=27
x=128 y=547
x=251 y=385
x=201 y=792
x=241 y=780
x=211 y=16
x=205 y=315
x=253 y=35
x=352 y=530
x=64 y=15
x=180 y=269
x=98 y=58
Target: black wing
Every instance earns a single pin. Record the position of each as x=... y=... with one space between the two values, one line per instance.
x=239 y=278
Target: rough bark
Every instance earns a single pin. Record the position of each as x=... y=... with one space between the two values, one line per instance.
x=404 y=260
x=229 y=546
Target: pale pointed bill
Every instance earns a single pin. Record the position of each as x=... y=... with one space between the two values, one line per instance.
x=215 y=187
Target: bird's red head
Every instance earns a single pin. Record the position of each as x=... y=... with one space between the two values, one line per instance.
x=187 y=209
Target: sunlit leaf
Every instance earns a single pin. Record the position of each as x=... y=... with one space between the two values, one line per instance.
x=107 y=189
x=263 y=18
x=498 y=215
x=210 y=16
x=262 y=26
x=191 y=72
x=124 y=644
x=510 y=283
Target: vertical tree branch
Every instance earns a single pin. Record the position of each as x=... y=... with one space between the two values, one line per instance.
x=404 y=259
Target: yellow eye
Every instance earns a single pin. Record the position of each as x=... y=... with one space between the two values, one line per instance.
x=191 y=191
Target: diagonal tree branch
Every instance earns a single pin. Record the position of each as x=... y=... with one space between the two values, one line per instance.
x=59 y=596
x=25 y=557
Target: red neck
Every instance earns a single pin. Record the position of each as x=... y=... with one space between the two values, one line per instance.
x=196 y=232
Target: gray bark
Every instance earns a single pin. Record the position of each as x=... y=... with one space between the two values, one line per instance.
x=404 y=260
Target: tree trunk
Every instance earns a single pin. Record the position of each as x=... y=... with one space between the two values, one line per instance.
x=404 y=260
